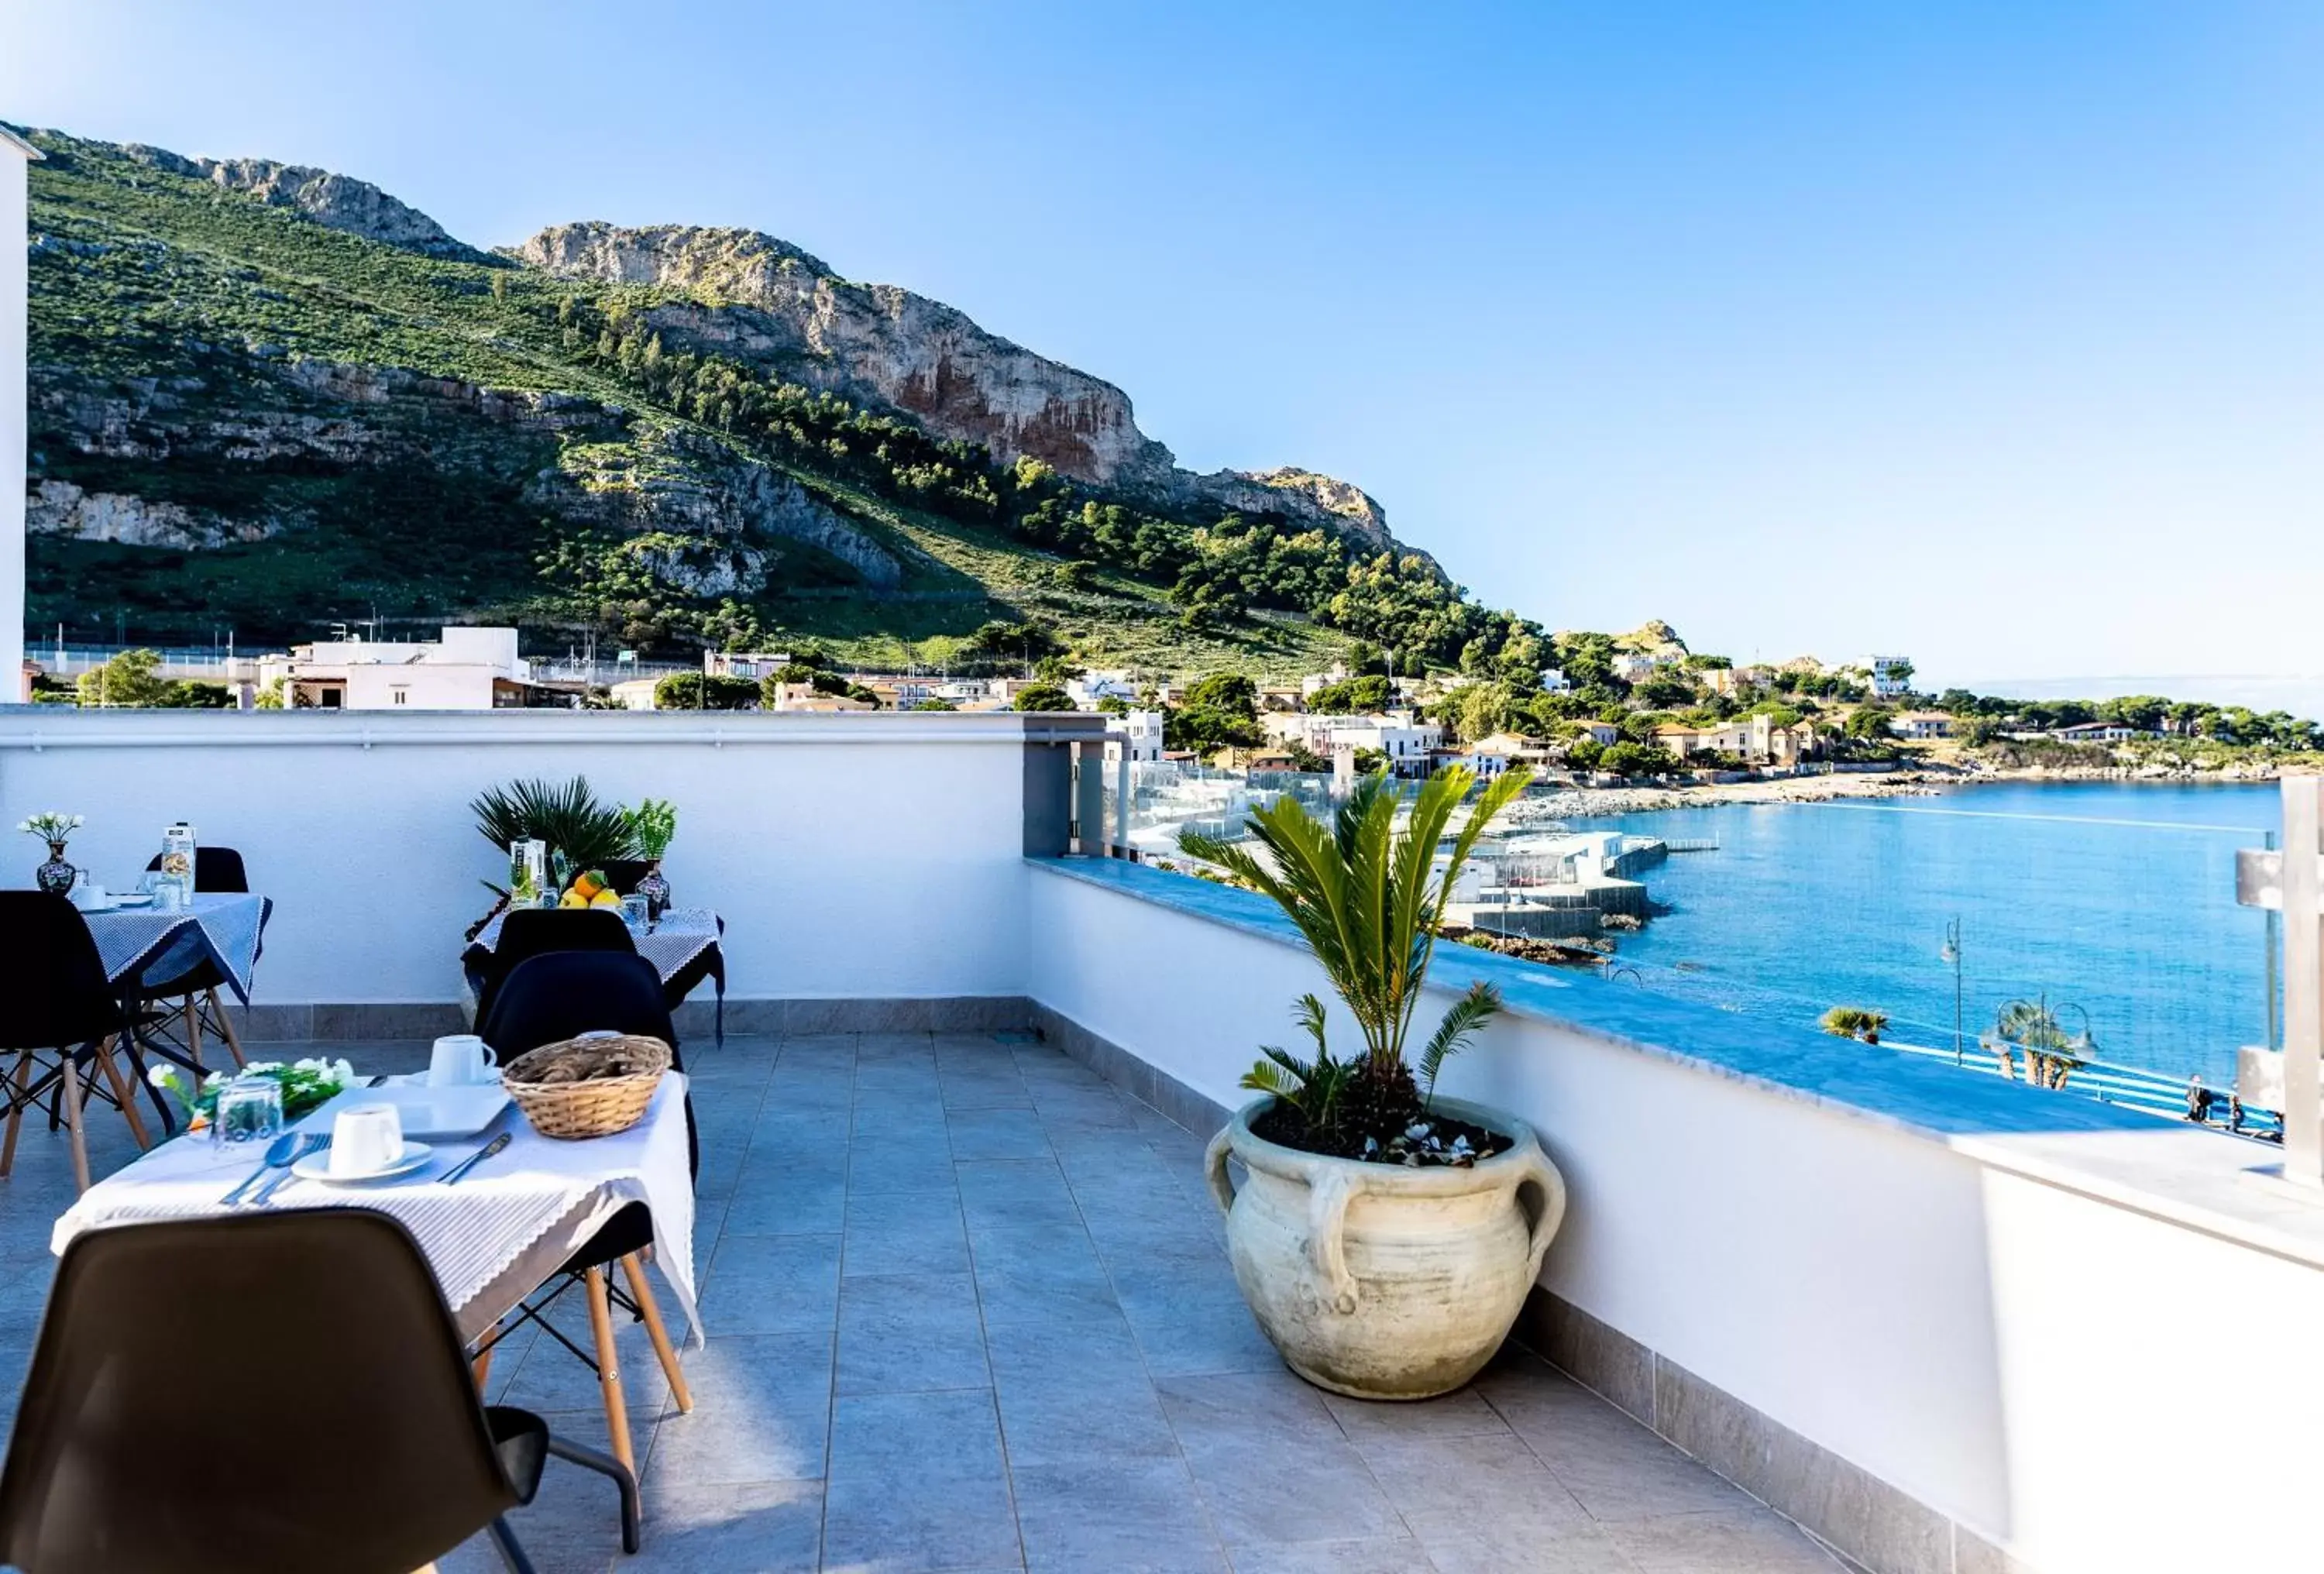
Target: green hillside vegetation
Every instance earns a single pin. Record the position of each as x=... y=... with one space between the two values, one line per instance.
x=363 y=430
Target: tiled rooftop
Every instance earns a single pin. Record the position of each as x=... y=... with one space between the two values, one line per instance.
x=969 y=1310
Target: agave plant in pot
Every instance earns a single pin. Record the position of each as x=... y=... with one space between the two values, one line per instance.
x=1385 y=1238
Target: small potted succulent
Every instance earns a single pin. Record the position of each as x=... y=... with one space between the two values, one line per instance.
x=55 y=828
x=1385 y=1238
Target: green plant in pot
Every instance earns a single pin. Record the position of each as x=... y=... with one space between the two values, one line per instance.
x=580 y=832
x=1385 y=1238
x=652 y=824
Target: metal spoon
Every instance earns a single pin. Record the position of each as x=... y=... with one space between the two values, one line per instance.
x=312 y=1143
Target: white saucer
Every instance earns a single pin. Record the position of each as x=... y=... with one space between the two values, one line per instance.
x=316 y=1166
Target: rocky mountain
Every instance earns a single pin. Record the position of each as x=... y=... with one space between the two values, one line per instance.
x=769 y=302
x=334 y=201
x=265 y=397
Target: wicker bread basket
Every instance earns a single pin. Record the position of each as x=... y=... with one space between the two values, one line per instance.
x=587 y=1087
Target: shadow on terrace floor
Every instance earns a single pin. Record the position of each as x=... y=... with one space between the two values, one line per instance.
x=969 y=1310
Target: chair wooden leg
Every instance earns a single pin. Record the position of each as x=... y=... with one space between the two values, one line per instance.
x=73 y=1122
x=642 y=1293
x=123 y=1094
x=226 y=1026
x=480 y=1365
x=609 y=1369
x=16 y=1112
x=194 y=1034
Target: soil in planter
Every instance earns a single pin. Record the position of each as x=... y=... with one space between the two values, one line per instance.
x=1382 y=1141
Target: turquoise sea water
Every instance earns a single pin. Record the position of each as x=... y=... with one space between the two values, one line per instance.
x=2117 y=898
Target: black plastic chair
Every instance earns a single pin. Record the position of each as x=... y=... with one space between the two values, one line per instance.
x=60 y=1004
x=531 y=932
x=349 y=1438
x=194 y=993
x=547 y=999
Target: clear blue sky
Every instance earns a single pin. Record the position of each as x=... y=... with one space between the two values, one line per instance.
x=1988 y=333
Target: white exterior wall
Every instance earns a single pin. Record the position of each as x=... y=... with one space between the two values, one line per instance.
x=14 y=162
x=2053 y=1370
x=850 y=855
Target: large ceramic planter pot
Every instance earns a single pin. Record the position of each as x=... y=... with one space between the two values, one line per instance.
x=1379 y=1281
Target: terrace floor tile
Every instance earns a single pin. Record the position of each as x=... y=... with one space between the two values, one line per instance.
x=969 y=1310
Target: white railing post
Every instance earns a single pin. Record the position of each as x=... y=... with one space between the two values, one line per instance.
x=2303 y=981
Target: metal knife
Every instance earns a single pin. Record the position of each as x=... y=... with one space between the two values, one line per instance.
x=476 y=1158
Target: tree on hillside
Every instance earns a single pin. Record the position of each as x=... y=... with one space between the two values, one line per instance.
x=695 y=691
x=1354 y=697
x=133 y=679
x=1868 y=721
x=1043 y=697
x=1221 y=711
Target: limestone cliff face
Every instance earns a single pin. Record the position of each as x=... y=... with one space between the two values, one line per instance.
x=762 y=299
x=334 y=201
x=703 y=516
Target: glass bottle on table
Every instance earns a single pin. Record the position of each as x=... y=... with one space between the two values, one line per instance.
x=178 y=858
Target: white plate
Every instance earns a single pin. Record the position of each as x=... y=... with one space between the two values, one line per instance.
x=316 y=1166
x=437 y=1113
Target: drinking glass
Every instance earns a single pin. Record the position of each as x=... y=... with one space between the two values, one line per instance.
x=633 y=913
x=249 y=1109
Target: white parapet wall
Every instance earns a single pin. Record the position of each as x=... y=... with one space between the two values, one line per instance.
x=1951 y=1323
x=852 y=856
x=16 y=158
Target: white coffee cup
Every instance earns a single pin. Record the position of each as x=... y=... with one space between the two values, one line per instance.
x=365 y=1138
x=458 y=1059
x=88 y=893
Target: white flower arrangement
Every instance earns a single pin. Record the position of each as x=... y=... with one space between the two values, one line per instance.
x=307 y=1084
x=54 y=825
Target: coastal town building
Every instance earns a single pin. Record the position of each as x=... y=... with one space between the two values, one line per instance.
x=1553 y=681
x=1605 y=735
x=2098 y=732
x=805 y=696
x=1922 y=726
x=1891 y=675
x=1091 y=686
x=748 y=664
x=1136 y=737
x=1756 y=740
x=468 y=669
x=1637 y=666
x=1492 y=755
x=1315 y=682
x=1403 y=738
x=634 y=694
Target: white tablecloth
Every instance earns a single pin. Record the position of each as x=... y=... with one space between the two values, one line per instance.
x=492 y=1238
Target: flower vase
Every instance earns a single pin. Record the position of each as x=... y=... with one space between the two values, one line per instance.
x=56 y=875
x=654 y=889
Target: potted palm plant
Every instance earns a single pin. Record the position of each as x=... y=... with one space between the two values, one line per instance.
x=1385 y=1238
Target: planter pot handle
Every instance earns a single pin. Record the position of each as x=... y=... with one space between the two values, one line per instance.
x=1549 y=1210
x=1215 y=1169
x=1327 y=1212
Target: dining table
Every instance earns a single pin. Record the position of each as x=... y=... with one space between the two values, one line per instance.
x=492 y=1238
x=685 y=946
x=496 y=1232
x=143 y=942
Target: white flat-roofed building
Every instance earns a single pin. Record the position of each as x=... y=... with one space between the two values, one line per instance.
x=468 y=669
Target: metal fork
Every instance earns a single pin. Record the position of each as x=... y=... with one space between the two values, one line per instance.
x=313 y=1143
